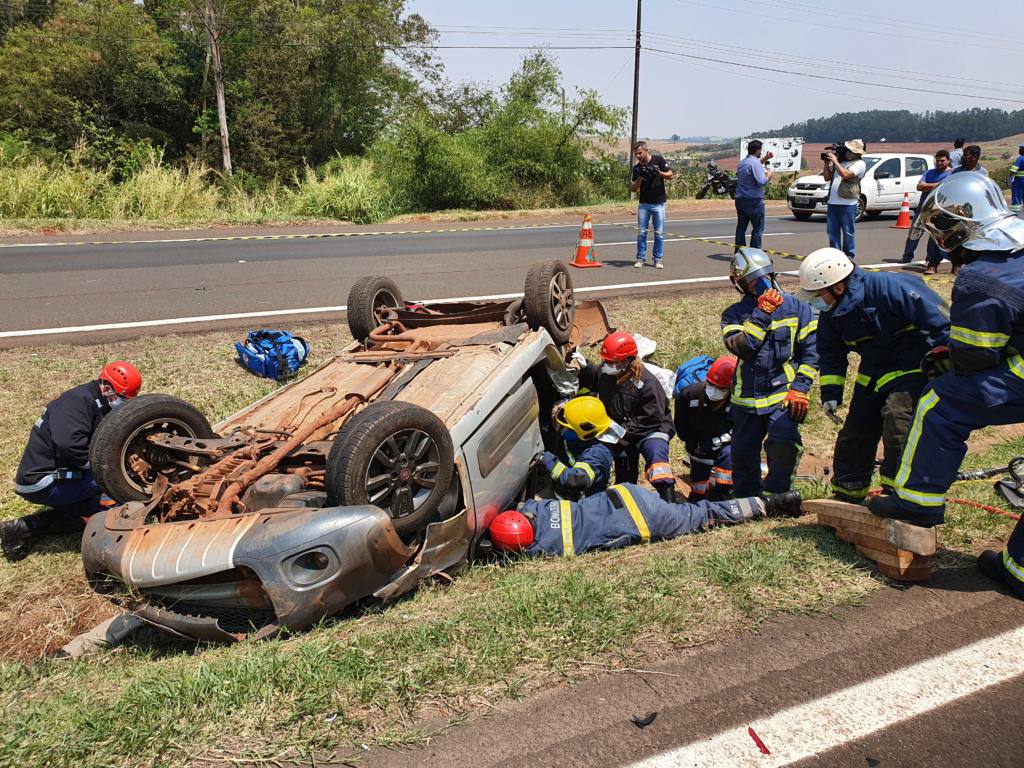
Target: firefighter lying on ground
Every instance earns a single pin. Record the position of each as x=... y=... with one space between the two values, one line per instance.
x=54 y=469
x=703 y=423
x=983 y=384
x=634 y=398
x=773 y=335
x=589 y=436
x=890 y=321
x=622 y=516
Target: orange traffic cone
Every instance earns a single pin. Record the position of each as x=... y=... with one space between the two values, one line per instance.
x=585 y=246
x=903 y=222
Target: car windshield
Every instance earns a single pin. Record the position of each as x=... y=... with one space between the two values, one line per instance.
x=869 y=162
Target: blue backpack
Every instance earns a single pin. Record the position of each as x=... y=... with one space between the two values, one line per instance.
x=272 y=354
x=693 y=370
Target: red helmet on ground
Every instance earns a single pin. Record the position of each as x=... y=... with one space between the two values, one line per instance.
x=722 y=371
x=618 y=347
x=511 y=531
x=123 y=377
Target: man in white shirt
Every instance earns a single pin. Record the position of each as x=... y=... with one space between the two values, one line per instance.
x=843 y=173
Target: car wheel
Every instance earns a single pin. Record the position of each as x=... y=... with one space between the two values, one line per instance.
x=862 y=207
x=396 y=456
x=549 y=299
x=123 y=460
x=369 y=304
x=802 y=215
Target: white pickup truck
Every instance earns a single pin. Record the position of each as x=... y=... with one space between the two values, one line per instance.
x=888 y=176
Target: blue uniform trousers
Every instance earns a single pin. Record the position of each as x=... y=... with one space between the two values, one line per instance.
x=711 y=478
x=1017 y=195
x=782 y=448
x=948 y=411
x=67 y=502
x=655 y=453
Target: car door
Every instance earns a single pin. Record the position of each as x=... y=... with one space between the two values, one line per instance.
x=915 y=168
x=889 y=184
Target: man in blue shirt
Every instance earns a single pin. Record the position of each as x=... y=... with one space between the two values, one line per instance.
x=928 y=182
x=751 y=178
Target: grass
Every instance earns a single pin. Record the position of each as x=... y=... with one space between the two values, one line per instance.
x=394 y=674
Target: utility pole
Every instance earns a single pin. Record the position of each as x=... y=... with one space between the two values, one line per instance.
x=636 y=86
x=210 y=23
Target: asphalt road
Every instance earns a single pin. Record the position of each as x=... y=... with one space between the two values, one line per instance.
x=174 y=278
x=879 y=687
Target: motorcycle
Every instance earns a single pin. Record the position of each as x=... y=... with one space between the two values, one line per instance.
x=719 y=182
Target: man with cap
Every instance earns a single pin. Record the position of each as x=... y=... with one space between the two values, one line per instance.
x=588 y=436
x=844 y=172
x=1017 y=181
x=704 y=424
x=54 y=469
x=620 y=517
x=890 y=321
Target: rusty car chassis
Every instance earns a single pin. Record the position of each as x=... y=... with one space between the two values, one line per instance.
x=379 y=469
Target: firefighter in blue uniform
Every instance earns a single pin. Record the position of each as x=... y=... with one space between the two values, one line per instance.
x=634 y=398
x=967 y=217
x=1017 y=182
x=589 y=435
x=890 y=321
x=773 y=335
x=704 y=424
x=620 y=517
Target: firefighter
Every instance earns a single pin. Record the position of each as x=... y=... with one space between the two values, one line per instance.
x=54 y=469
x=1017 y=182
x=703 y=424
x=634 y=398
x=967 y=218
x=620 y=517
x=589 y=435
x=890 y=321
x=773 y=335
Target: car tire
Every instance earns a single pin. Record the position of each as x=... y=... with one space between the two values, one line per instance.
x=862 y=209
x=802 y=215
x=549 y=299
x=368 y=302
x=396 y=456
x=122 y=434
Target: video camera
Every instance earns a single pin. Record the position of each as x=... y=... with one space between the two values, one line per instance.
x=838 y=149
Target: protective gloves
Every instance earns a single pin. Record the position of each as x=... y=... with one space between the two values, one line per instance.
x=546 y=459
x=798 y=404
x=831 y=409
x=936 y=362
x=769 y=301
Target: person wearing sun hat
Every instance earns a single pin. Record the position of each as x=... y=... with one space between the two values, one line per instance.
x=843 y=172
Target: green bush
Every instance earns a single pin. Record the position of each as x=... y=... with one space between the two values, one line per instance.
x=345 y=188
x=32 y=189
x=160 y=192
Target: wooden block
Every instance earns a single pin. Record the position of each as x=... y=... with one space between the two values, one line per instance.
x=900 y=550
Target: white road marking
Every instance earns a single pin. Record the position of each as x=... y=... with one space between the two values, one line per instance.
x=817 y=726
x=342 y=307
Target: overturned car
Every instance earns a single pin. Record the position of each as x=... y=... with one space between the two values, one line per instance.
x=379 y=469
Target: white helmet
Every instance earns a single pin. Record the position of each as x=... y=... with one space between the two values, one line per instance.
x=822 y=268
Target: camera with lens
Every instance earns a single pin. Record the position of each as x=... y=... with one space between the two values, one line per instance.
x=838 y=149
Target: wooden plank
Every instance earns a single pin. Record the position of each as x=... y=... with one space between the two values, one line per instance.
x=922 y=541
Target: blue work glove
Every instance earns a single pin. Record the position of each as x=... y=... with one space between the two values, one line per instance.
x=546 y=459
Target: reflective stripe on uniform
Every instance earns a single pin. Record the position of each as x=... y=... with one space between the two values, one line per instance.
x=863 y=380
x=892 y=376
x=978 y=338
x=760 y=402
x=1012 y=566
x=557 y=470
x=1016 y=364
x=806 y=370
x=832 y=380
x=807 y=330
x=753 y=330
x=886 y=481
x=855 y=493
x=586 y=468
x=721 y=476
x=929 y=401
x=790 y=373
x=568 y=546
x=728 y=330
x=659 y=470
x=634 y=512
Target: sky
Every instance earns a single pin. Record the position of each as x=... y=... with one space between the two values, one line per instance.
x=932 y=45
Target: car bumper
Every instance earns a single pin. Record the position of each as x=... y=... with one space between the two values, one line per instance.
x=220 y=580
x=807 y=203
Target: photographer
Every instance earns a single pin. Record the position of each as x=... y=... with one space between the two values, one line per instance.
x=648 y=177
x=843 y=170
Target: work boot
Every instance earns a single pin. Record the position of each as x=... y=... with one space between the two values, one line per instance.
x=667 y=493
x=782 y=504
x=990 y=563
x=15 y=539
x=891 y=507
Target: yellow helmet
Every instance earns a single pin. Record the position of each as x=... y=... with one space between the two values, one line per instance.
x=586 y=416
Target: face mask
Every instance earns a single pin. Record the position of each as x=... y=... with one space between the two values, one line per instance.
x=611 y=369
x=115 y=402
x=820 y=304
x=715 y=394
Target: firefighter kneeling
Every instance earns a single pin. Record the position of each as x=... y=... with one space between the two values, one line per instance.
x=589 y=434
x=704 y=425
x=622 y=516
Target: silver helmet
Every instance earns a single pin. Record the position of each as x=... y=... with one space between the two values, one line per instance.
x=752 y=268
x=968 y=209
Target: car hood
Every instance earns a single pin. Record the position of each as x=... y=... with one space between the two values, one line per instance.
x=815 y=179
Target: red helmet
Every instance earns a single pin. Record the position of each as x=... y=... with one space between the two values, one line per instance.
x=721 y=372
x=511 y=531
x=618 y=347
x=123 y=377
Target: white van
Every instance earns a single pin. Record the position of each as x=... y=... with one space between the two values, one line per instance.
x=887 y=178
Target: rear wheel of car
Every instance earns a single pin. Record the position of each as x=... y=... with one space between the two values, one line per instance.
x=549 y=299
x=862 y=208
x=396 y=456
x=802 y=215
x=369 y=304
x=123 y=460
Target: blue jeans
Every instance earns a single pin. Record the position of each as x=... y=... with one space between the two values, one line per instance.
x=840 y=228
x=644 y=213
x=749 y=210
